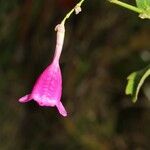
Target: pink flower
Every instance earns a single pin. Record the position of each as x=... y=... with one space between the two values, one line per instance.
x=47 y=90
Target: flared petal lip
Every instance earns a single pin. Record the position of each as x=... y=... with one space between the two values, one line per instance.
x=44 y=101
x=41 y=100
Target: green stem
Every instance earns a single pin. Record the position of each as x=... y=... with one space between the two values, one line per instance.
x=125 y=5
x=71 y=11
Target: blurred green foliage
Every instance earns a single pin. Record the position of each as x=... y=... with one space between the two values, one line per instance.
x=135 y=82
x=143 y=4
x=102 y=46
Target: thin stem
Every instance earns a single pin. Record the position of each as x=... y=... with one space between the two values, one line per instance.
x=71 y=11
x=125 y=5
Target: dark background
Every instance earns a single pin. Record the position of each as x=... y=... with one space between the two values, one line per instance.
x=103 y=45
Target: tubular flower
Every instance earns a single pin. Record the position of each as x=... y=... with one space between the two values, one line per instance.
x=47 y=90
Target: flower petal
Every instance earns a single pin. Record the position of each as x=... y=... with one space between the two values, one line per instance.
x=61 y=109
x=25 y=98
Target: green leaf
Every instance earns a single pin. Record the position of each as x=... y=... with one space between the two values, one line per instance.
x=145 y=6
x=135 y=82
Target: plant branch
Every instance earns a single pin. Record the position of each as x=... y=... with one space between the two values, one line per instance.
x=78 y=5
x=125 y=5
